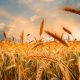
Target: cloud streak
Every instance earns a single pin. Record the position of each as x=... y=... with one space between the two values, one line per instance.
x=2 y=26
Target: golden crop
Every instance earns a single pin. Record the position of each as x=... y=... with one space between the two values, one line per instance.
x=39 y=60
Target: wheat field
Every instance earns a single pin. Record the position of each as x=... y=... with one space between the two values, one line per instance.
x=39 y=60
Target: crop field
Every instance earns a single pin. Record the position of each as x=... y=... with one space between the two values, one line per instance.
x=39 y=60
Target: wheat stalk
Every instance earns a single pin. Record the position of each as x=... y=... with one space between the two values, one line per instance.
x=57 y=37
x=42 y=57
x=10 y=67
x=72 y=10
x=79 y=66
x=21 y=37
x=39 y=73
x=28 y=34
x=5 y=36
x=66 y=30
x=38 y=44
x=41 y=27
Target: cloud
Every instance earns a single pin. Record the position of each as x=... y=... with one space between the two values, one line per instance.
x=48 y=1
x=5 y=13
x=34 y=18
x=2 y=26
x=31 y=1
x=22 y=24
x=34 y=4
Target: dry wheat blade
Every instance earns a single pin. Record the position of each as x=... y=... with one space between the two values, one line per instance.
x=57 y=37
x=72 y=10
x=41 y=27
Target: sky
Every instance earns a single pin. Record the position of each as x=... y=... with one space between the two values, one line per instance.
x=26 y=15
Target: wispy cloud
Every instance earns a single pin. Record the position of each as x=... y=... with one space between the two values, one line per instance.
x=2 y=26
x=31 y=1
x=48 y=1
x=34 y=18
x=22 y=24
x=4 y=13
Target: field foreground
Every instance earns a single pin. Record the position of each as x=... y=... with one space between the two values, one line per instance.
x=39 y=60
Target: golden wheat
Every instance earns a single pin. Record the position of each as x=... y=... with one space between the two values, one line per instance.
x=41 y=27
x=57 y=37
